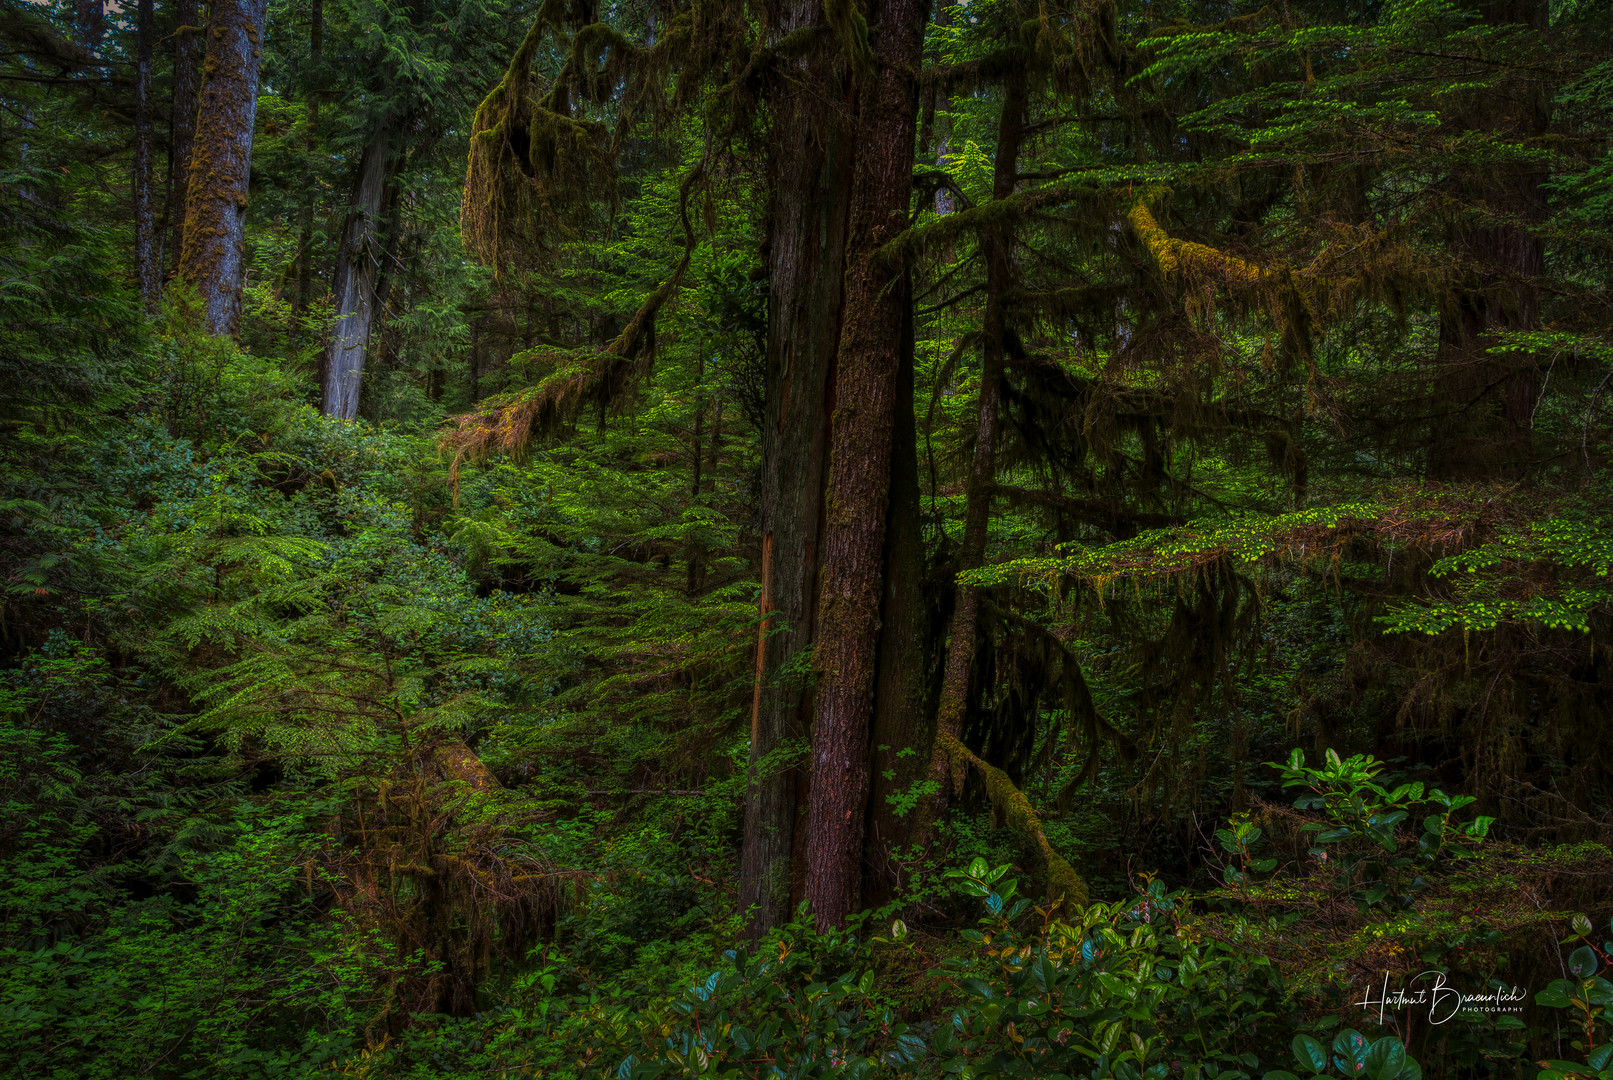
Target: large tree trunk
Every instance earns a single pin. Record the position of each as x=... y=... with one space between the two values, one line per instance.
x=902 y=731
x=145 y=233
x=353 y=286
x=811 y=174
x=214 y=247
x=996 y=250
x=866 y=385
x=182 y=121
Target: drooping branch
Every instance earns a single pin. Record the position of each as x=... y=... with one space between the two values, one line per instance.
x=508 y=423
x=1064 y=885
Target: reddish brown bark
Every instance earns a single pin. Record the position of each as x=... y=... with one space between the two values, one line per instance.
x=811 y=172
x=213 y=254
x=902 y=724
x=305 y=227
x=182 y=122
x=145 y=232
x=866 y=393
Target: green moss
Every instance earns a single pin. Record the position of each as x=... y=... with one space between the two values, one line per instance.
x=1064 y=885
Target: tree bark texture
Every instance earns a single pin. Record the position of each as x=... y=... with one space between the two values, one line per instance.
x=945 y=201
x=145 y=232
x=182 y=121
x=866 y=379
x=305 y=226
x=811 y=178
x=353 y=286
x=213 y=254
x=902 y=724
x=996 y=249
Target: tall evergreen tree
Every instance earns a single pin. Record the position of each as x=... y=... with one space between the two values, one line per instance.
x=213 y=258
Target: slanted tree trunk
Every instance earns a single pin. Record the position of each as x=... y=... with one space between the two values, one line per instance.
x=996 y=249
x=214 y=247
x=866 y=394
x=353 y=286
x=145 y=233
x=182 y=121
x=810 y=164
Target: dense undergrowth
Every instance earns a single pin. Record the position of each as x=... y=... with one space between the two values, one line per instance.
x=237 y=841
x=420 y=745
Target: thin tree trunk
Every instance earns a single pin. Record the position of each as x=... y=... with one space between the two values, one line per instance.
x=810 y=160
x=996 y=248
x=145 y=233
x=214 y=246
x=695 y=554
x=945 y=202
x=305 y=224
x=353 y=286
x=866 y=392
x=182 y=121
x=390 y=281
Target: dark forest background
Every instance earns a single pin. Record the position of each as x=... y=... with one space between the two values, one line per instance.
x=779 y=538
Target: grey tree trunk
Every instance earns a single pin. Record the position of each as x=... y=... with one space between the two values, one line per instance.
x=945 y=201
x=213 y=254
x=353 y=286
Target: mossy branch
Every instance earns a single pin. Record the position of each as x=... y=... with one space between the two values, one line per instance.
x=1181 y=256
x=1064 y=885
x=849 y=25
x=508 y=423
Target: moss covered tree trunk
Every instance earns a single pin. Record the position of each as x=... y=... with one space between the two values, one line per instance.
x=146 y=260
x=305 y=222
x=353 y=286
x=182 y=121
x=996 y=249
x=866 y=395
x=213 y=254
x=811 y=175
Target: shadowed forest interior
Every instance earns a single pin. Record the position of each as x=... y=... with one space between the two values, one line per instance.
x=806 y=538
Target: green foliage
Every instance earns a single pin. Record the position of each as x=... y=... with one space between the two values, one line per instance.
x=1353 y=1054
x=1362 y=821
x=1584 y=998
